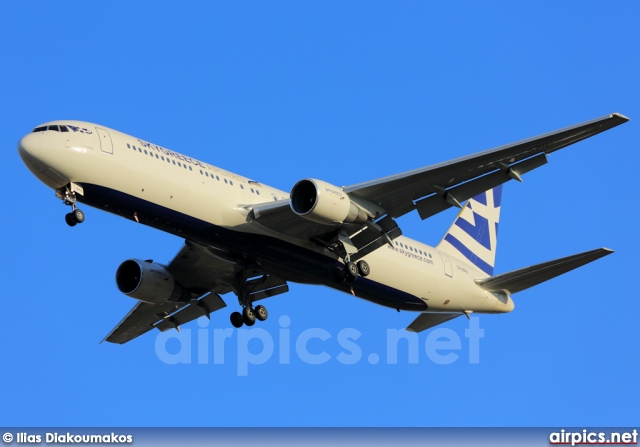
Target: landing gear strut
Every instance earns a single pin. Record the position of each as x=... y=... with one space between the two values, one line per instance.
x=249 y=314
x=68 y=197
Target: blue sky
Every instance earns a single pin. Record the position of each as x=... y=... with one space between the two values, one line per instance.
x=346 y=93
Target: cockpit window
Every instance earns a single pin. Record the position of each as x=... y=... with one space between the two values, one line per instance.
x=51 y=127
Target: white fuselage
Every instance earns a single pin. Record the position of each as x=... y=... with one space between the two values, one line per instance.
x=123 y=166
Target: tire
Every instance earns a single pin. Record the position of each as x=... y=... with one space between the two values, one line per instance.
x=71 y=220
x=79 y=215
x=249 y=316
x=236 y=319
x=338 y=275
x=363 y=268
x=261 y=313
x=351 y=270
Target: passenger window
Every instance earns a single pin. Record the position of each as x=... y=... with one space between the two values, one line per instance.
x=190 y=168
x=225 y=180
x=157 y=156
x=162 y=158
x=241 y=186
x=252 y=190
x=128 y=146
x=64 y=129
x=145 y=152
x=217 y=178
x=173 y=161
x=257 y=192
x=230 y=182
x=179 y=164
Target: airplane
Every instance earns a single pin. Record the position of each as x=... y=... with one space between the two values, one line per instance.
x=248 y=238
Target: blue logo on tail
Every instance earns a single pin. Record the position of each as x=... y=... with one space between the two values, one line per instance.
x=477 y=226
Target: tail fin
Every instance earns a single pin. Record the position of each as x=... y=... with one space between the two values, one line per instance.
x=474 y=233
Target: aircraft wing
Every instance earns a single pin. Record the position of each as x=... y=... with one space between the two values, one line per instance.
x=431 y=189
x=206 y=276
x=455 y=181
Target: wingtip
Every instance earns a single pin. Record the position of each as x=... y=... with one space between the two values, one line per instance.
x=608 y=251
x=621 y=116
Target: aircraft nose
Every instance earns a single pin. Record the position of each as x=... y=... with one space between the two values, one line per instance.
x=30 y=148
x=30 y=144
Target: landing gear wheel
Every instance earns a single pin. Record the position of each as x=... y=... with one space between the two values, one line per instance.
x=79 y=215
x=249 y=316
x=338 y=275
x=351 y=270
x=71 y=219
x=236 y=319
x=363 y=268
x=261 y=313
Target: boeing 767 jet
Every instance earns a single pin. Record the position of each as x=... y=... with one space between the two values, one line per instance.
x=248 y=238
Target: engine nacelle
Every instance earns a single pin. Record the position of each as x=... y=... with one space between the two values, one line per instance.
x=324 y=203
x=149 y=282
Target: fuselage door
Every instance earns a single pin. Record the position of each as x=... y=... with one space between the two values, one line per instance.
x=448 y=269
x=106 y=145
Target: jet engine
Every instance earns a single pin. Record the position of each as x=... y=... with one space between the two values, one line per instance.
x=149 y=282
x=324 y=203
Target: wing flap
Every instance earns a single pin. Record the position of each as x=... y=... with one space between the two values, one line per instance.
x=521 y=279
x=201 y=308
x=140 y=320
x=439 y=202
x=266 y=286
x=428 y=320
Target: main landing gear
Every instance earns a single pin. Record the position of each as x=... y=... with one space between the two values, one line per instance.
x=351 y=271
x=68 y=197
x=249 y=316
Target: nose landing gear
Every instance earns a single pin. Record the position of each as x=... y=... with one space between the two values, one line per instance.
x=75 y=217
x=68 y=197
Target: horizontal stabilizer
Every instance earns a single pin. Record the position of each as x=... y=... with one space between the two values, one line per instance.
x=524 y=278
x=430 y=319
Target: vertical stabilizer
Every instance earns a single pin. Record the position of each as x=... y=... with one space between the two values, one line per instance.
x=474 y=234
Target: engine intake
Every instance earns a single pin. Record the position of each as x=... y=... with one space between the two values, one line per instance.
x=324 y=203
x=149 y=282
